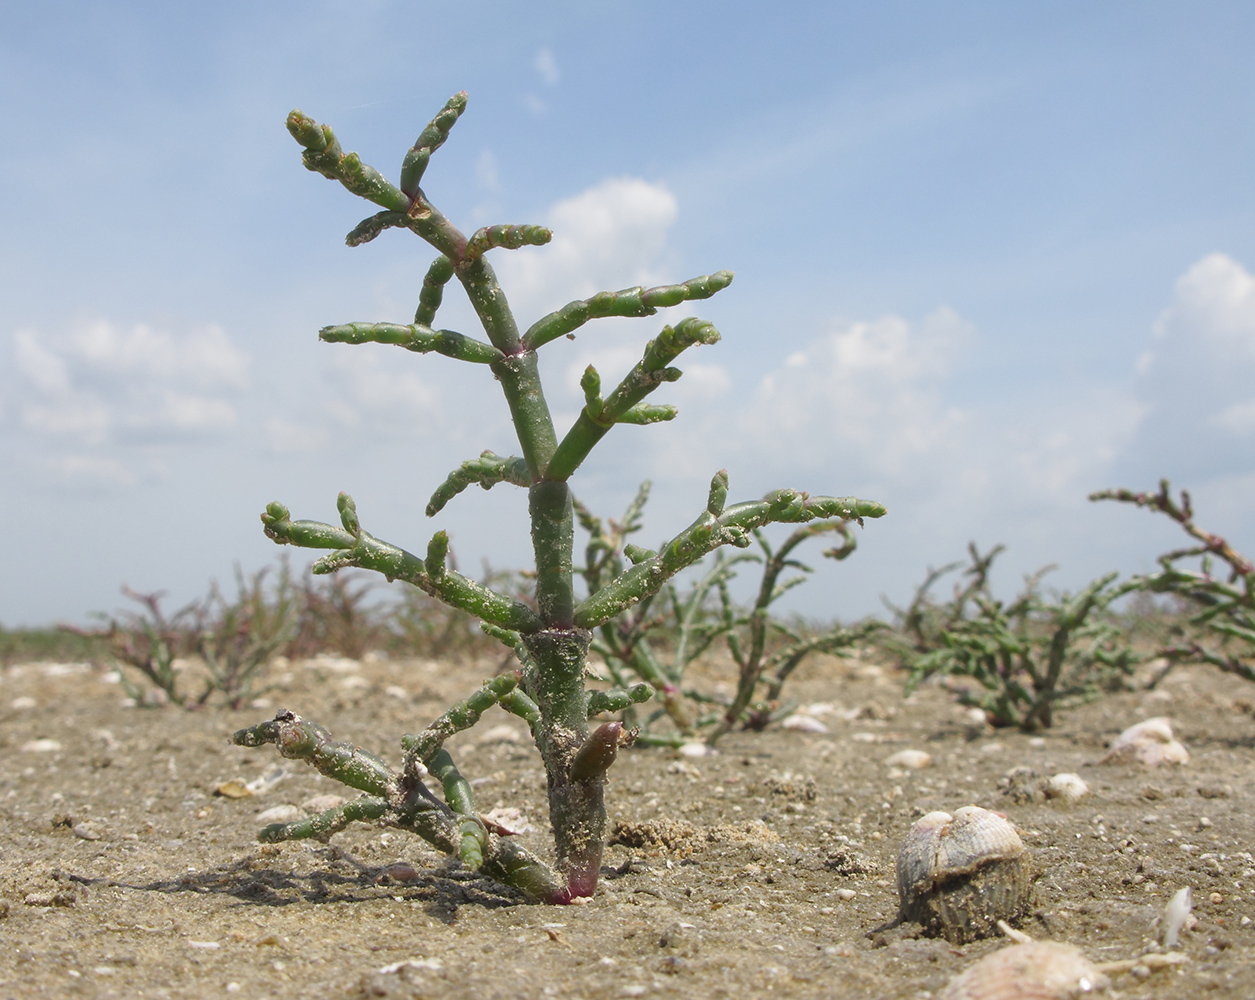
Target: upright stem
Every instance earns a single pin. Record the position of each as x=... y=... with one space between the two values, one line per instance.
x=555 y=679
x=553 y=536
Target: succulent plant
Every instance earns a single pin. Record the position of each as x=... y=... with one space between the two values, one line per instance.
x=552 y=636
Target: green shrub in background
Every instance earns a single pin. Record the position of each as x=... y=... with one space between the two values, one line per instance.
x=1025 y=656
x=1220 y=623
x=656 y=641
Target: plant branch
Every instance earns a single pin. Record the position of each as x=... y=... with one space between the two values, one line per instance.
x=358 y=548
x=413 y=337
x=485 y=471
x=636 y=301
x=711 y=530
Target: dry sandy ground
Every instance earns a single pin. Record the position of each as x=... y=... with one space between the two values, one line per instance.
x=759 y=870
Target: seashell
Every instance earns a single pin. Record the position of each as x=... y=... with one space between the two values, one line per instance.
x=959 y=875
x=912 y=759
x=1066 y=788
x=1177 y=916
x=804 y=723
x=1039 y=970
x=1150 y=743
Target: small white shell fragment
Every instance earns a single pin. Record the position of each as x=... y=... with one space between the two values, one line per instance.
x=411 y=963
x=1150 y=743
x=1040 y=970
x=1066 y=788
x=41 y=746
x=804 y=723
x=22 y=703
x=280 y=814
x=1177 y=916
x=509 y=819
x=696 y=749
x=913 y=759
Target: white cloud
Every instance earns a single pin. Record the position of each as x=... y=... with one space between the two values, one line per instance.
x=1237 y=419
x=84 y=397
x=547 y=66
x=1196 y=379
x=377 y=388
x=865 y=391
x=610 y=236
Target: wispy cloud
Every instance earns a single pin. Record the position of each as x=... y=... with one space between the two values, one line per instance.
x=1198 y=377
x=547 y=66
x=93 y=399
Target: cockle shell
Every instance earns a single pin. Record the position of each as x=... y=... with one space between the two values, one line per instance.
x=1038 y=970
x=1150 y=743
x=1066 y=788
x=959 y=875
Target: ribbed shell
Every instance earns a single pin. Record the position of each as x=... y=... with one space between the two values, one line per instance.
x=1038 y=970
x=959 y=875
x=1150 y=743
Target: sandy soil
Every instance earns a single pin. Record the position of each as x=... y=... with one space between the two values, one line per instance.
x=758 y=870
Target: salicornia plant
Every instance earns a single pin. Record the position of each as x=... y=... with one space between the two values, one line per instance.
x=552 y=639
x=1030 y=654
x=657 y=648
x=1222 y=623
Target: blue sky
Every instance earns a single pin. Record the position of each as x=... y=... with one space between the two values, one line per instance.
x=989 y=257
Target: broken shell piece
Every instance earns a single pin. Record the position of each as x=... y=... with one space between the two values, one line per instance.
x=286 y=813
x=233 y=789
x=1066 y=788
x=1178 y=916
x=913 y=759
x=1040 y=970
x=959 y=875
x=804 y=724
x=1150 y=743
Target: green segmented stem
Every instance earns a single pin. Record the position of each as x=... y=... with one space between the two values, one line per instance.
x=485 y=471
x=324 y=155
x=424 y=746
x=367 y=552
x=414 y=337
x=636 y=301
x=473 y=835
x=429 y=140
x=617 y=699
x=505 y=238
x=650 y=372
x=706 y=534
x=432 y=293
x=373 y=225
x=302 y=740
x=553 y=536
x=647 y=413
x=322 y=826
x=518 y=703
